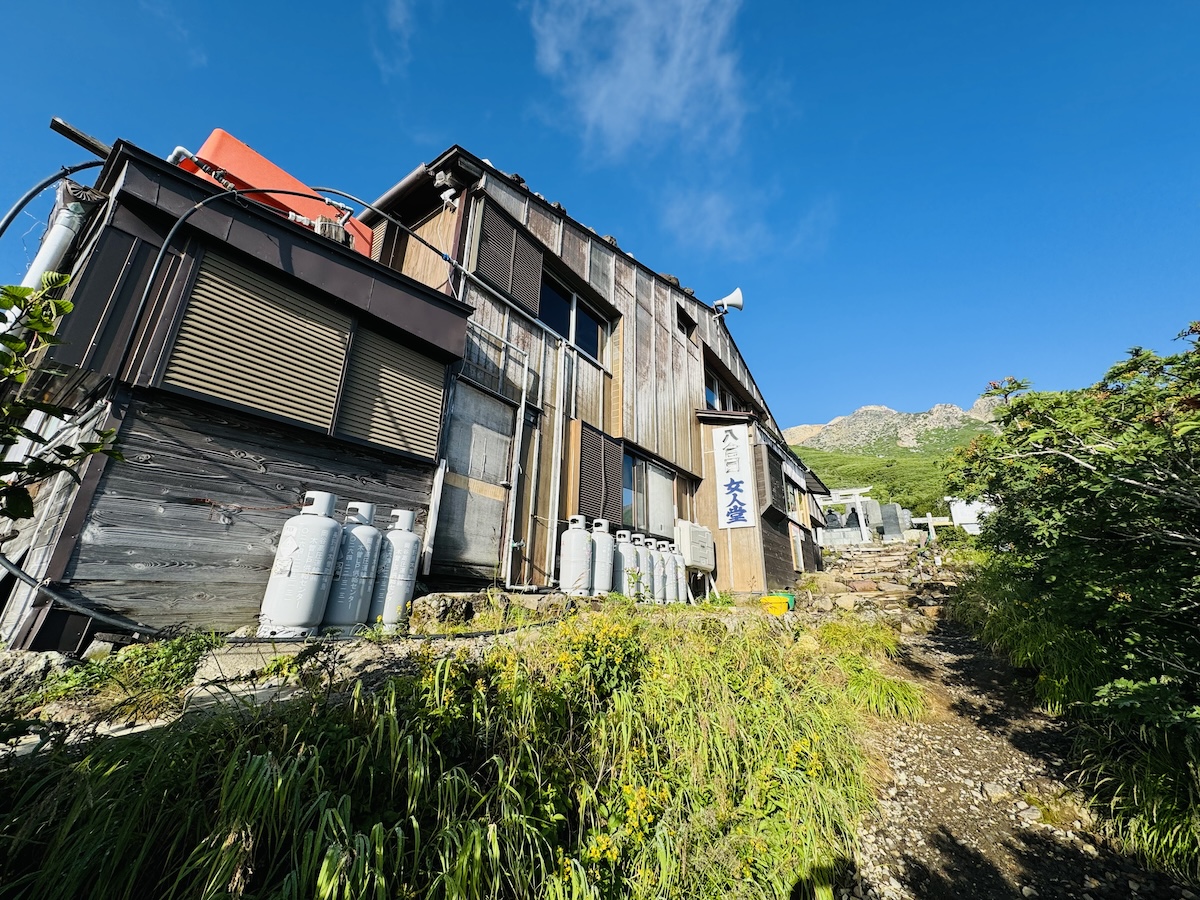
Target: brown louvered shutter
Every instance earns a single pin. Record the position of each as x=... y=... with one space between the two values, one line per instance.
x=772 y=493
x=507 y=259
x=600 y=459
x=393 y=396
x=250 y=341
x=378 y=234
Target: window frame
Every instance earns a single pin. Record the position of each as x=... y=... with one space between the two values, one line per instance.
x=635 y=484
x=603 y=322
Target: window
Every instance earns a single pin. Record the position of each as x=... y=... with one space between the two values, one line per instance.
x=647 y=497
x=685 y=324
x=718 y=396
x=566 y=314
x=556 y=307
x=712 y=391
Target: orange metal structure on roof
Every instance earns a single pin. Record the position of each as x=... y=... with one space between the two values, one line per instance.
x=246 y=168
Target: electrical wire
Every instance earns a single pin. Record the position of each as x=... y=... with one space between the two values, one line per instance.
x=41 y=186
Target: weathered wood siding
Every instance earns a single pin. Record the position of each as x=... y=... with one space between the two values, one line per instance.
x=419 y=261
x=657 y=373
x=185 y=529
x=739 y=550
x=38 y=536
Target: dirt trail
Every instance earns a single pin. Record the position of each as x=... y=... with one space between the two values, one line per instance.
x=974 y=800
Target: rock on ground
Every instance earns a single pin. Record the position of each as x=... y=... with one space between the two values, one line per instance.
x=23 y=671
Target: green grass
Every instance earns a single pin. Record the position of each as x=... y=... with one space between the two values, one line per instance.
x=911 y=477
x=621 y=754
x=139 y=681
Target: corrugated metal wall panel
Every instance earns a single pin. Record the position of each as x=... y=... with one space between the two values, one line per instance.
x=393 y=396
x=254 y=342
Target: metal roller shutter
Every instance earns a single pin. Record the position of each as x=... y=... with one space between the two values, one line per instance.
x=393 y=396
x=250 y=341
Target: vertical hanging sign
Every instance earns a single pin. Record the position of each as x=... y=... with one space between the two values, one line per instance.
x=735 y=477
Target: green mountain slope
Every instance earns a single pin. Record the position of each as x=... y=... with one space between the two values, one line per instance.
x=908 y=475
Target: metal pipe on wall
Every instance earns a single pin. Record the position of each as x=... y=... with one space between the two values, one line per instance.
x=514 y=475
x=556 y=475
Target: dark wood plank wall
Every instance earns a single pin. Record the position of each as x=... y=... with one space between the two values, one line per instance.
x=777 y=554
x=185 y=529
x=37 y=537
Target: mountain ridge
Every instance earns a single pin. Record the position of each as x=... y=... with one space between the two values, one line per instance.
x=881 y=427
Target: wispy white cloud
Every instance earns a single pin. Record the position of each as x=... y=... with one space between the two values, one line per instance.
x=811 y=236
x=391 y=26
x=194 y=53
x=638 y=71
x=740 y=227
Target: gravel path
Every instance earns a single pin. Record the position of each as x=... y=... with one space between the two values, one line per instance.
x=974 y=802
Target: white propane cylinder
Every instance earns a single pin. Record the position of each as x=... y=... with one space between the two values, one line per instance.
x=659 y=565
x=670 y=573
x=575 y=559
x=602 y=557
x=645 y=568
x=298 y=588
x=350 y=595
x=681 y=570
x=624 y=559
x=397 y=575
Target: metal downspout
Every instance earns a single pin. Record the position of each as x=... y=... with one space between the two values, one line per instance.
x=556 y=475
x=514 y=474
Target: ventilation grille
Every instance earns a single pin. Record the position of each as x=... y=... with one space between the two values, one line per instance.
x=393 y=396
x=256 y=343
x=600 y=460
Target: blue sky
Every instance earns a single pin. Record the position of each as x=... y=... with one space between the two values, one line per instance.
x=915 y=198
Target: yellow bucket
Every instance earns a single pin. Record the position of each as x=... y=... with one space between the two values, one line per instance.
x=777 y=604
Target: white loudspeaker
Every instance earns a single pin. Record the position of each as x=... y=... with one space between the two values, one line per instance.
x=732 y=301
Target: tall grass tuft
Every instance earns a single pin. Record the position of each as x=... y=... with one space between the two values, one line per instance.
x=616 y=756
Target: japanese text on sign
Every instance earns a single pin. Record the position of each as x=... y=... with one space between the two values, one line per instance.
x=735 y=477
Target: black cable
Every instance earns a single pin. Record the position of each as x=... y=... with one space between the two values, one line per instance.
x=21 y=575
x=41 y=186
x=407 y=636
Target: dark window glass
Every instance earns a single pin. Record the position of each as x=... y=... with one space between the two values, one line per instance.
x=556 y=307
x=627 y=495
x=711 y=388
x=588 y=329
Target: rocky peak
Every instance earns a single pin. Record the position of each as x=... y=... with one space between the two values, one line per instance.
x=875 y=424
